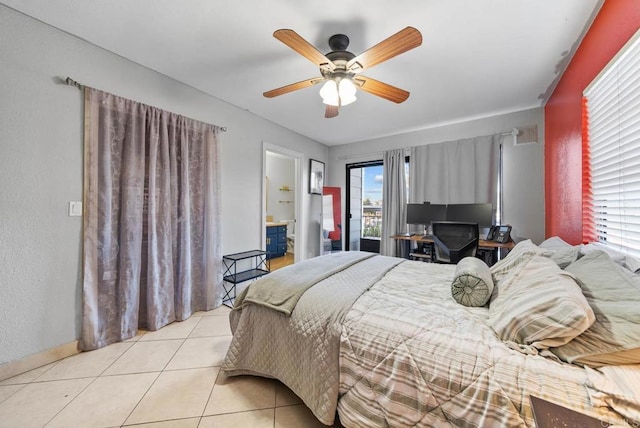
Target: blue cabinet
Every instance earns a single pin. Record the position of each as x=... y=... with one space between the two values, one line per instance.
x=276 y=241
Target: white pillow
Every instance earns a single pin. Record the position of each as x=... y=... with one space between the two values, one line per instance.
x=561 y=252
x=555 y=243
x=620 y=258
x=565 y=257
x=632 y=264
x=614 y=294
x=617 y=256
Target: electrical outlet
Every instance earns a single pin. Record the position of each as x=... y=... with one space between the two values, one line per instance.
x=75 y=209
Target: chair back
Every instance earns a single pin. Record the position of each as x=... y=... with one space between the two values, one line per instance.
x=454 y=240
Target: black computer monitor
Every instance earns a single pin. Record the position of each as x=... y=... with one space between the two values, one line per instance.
x=473 y=213
x=425 y=213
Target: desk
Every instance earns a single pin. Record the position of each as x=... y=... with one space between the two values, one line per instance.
x=488 y=246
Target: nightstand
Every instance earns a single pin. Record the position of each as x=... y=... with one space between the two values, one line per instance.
x=550 y=415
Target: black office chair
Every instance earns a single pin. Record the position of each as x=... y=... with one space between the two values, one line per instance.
x=454 y=240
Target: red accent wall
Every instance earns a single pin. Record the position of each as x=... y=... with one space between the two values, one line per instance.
x=616 y=22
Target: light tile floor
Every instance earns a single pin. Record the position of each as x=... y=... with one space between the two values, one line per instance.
x=162 y=379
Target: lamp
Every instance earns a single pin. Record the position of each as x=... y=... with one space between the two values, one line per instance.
x=338 y=92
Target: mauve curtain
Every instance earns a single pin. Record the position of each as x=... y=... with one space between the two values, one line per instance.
x=394 y=203
x=152 y=238
x=455 y=172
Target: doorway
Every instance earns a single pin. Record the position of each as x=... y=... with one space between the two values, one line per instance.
x=364 y=206
x=281 y=205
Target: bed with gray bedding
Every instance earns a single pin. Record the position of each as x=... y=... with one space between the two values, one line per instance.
x=381 y=342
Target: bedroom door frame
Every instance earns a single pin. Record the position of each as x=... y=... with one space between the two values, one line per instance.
x=298 y=210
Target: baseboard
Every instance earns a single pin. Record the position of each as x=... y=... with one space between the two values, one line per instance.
x=30 y=362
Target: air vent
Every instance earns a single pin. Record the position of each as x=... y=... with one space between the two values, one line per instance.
x=527 y=135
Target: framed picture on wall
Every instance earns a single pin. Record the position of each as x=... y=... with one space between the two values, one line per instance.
x=316 y=177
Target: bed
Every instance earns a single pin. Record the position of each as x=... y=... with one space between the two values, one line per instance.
x=382 y=342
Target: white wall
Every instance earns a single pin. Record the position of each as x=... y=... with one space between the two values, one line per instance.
x=523 y=165
x=41 y=171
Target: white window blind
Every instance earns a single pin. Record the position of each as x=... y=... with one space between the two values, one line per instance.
x=613 y=106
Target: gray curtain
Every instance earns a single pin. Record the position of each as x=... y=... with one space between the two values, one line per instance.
x=455 y=172
x=152 y=238
x=394 y=203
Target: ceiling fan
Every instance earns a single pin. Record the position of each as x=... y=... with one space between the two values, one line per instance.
x=340 y=69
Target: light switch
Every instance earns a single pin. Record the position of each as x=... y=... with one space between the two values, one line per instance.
x=75 y=209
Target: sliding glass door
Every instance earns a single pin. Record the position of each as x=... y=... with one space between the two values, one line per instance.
x=364 y=206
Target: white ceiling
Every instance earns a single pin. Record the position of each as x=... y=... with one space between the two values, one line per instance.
x=478 y=58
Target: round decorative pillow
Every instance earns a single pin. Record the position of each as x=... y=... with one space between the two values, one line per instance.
x=472 y=283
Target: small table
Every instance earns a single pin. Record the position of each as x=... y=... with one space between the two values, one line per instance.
x=231 y=277
x=550 y=415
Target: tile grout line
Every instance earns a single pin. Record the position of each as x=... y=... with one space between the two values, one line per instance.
x=47 y=371
x=163 y=371
x=155 y=380
x=15 y=392
x=70 y=401
x=140 y=400
x=204 y=409
x=275 y=404
x=86 y=387
x=103 y=374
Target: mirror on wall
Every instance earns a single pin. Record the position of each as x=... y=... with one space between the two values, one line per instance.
x=331 y=220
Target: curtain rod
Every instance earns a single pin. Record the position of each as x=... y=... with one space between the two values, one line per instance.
x=513 y=132
x=69 y=81
x=407 y=150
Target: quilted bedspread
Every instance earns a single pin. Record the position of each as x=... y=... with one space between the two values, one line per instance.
x=302 y=350
x=410 y=356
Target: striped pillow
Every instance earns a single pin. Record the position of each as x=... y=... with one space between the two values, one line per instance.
x=522 y=252
x=538 y=304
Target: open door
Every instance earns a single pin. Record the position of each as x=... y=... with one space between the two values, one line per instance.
x=282 y=194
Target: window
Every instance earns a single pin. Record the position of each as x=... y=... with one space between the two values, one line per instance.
x=611 y=143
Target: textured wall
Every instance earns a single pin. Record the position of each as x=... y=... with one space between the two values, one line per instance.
x=523 y=165
x=41 y=171
x=617 y=21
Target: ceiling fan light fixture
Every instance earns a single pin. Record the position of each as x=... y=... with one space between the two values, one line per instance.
x=340 y=69
x=329 y=93
x=347 y=91
x=342 y=92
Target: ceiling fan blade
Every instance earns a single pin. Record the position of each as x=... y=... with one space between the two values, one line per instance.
x=403 y=41
x=380 y=89
x=292 y=87
x=331 y=111
x=304 y=48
